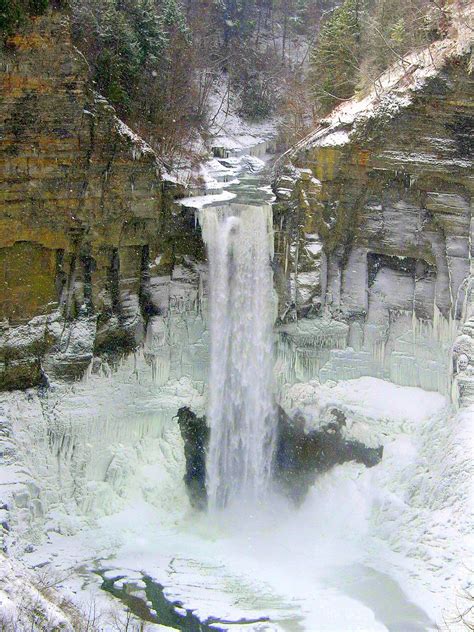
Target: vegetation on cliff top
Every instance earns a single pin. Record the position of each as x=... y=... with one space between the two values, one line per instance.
x=14 y=12
x=361 y=38
x=159 y=61
x=143 y=62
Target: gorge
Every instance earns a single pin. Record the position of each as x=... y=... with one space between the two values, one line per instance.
x=229 y=405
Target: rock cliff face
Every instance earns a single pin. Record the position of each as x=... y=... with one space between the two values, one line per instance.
x=89 y=235
x=374 y=226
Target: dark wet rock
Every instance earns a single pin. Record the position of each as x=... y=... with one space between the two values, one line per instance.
x=301 y=456
x=195 y=433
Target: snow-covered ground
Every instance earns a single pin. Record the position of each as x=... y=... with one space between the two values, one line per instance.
x=229 y=131
x=369 y=549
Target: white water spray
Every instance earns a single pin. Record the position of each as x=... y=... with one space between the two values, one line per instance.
x=241 y=415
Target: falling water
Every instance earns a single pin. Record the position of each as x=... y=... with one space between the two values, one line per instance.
x=241 y=414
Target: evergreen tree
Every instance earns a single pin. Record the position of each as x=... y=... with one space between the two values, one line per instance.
x=173 y=19
x=14 y=12
x=238 y=20
x=123 y=40
x=143 y=61
x=336 y=56
x=391 y=28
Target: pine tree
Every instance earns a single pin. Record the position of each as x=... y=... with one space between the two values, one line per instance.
x=336 y=56
x=391 y=29
x=14 y=12
x=238 y=20
x=173 y=18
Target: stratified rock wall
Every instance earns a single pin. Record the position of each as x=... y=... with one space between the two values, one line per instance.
x=374 y=225
x=89 y=234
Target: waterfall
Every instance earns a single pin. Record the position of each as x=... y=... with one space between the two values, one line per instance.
x=241 y=414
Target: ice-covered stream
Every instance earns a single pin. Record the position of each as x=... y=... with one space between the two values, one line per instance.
x=368 y=549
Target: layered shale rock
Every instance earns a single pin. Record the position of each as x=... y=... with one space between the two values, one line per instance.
x=89 y=235
x=374 y=225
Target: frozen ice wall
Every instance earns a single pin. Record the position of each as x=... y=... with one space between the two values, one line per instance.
x=110 y=437
x=399 y=348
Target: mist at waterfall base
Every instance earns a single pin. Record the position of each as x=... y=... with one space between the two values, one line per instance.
x=321 y=566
